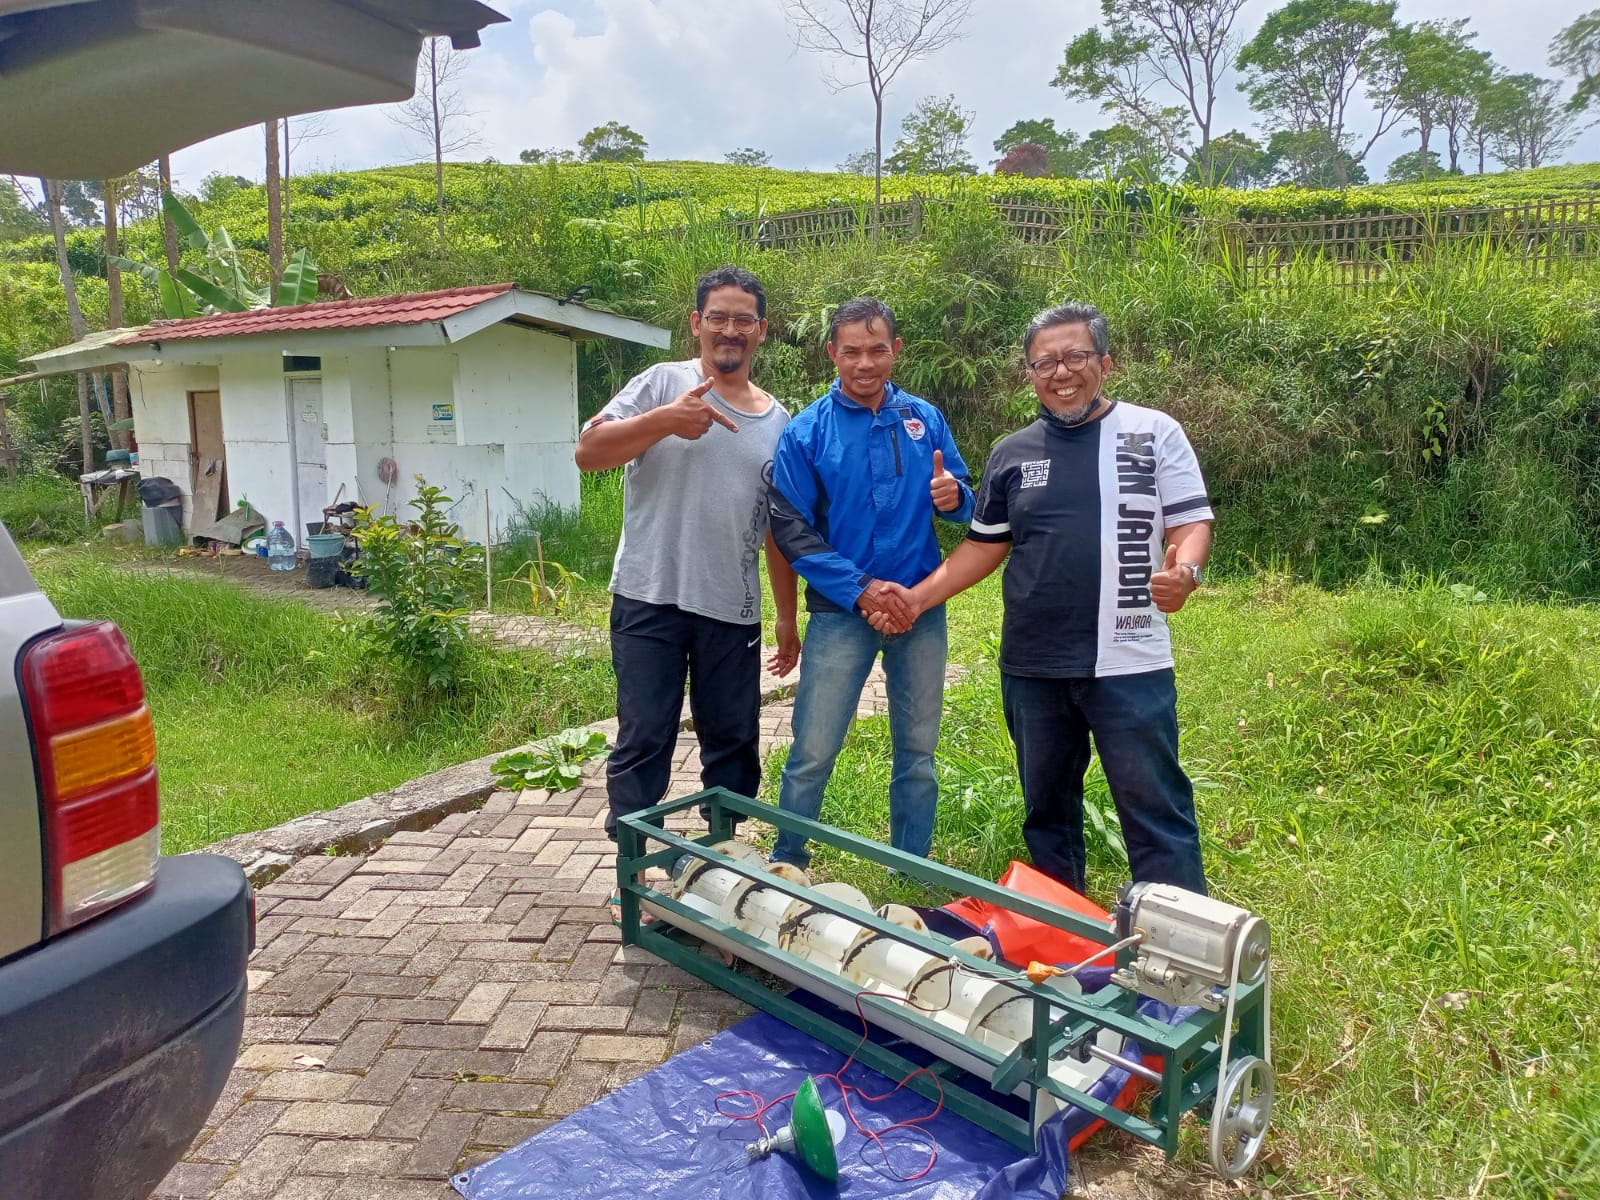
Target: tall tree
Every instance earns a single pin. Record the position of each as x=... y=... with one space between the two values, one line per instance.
x=1576 y=50
x=550 y=154
x=1440 y=77
x=18 y=216
x=112 y=192
x=1233 y=160
x=876 y=38
x=1028 y=159
x=933 y=140
x=1414 y=166
x=1489 y=107
x=303 y=129
x=1150 y=53
x=169 y=233
x=613 y=142
x=862 y=162
x=1059 y=148
x=1310 y=159
x=53 y=191
x=437 y=114
x=273 y=131
x=748 y=156
x=80 y=203
x=1528 y=123
x=1309 y=58
x=1121 y=152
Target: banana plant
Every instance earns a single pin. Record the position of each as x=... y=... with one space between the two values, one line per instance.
x=222 y=285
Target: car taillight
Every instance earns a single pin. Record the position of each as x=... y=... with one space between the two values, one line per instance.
x=96 y=752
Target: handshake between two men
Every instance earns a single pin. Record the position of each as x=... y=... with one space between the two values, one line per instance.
x=893 y=608
x=890 y=607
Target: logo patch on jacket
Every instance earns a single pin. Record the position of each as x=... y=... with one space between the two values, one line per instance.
x=915 y=428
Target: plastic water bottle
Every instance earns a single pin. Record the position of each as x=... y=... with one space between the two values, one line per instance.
x=280 y=548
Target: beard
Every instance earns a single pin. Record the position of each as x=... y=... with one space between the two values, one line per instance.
x=727 y=354
x=1073 y=415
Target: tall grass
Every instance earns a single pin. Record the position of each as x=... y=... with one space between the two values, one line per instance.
x=1406 y=784
x=266 y=710
x=41 y=507
x=575 y=546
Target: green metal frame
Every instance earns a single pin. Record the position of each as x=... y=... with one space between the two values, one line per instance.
x=1189 y=1052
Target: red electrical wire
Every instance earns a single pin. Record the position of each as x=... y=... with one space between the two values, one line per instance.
x=762 y=1107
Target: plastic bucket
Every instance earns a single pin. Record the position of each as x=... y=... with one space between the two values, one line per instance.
x=325 y=545
x=321 y=572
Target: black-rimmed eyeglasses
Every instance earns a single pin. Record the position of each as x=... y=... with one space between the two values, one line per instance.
x=717 y=322
x=1075 y=360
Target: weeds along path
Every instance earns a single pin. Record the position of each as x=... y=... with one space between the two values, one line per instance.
x=501 y=630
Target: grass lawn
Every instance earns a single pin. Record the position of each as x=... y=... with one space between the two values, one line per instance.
x=266 y=709
x=1406 y=784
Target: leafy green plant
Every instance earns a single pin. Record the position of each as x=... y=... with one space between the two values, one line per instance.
x=222 y=286
x=554 y=762
x=424 y=576
x=550 y=585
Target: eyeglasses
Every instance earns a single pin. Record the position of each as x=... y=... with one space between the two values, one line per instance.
x=1076 y=360
x=717 y=322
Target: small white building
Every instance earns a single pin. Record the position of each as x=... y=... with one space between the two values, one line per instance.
x=475 y=389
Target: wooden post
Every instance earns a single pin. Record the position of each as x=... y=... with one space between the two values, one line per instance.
x=488 y=555
x=8 y=453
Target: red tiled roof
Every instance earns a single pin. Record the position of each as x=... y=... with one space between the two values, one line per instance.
x=411 y=309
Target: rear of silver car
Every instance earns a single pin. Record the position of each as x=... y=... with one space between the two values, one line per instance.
x=122 y=974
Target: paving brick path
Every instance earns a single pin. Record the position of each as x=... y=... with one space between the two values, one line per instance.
x=418 y=1009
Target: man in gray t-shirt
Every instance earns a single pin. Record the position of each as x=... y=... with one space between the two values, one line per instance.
x=696 y=439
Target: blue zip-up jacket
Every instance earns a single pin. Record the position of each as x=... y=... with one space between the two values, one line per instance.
x=850 y=500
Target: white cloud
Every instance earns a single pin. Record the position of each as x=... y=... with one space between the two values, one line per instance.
x=699 y=78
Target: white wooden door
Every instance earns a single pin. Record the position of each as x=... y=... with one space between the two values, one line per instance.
x=311 y=451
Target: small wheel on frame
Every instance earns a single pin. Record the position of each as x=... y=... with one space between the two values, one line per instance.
x=1240 y=1116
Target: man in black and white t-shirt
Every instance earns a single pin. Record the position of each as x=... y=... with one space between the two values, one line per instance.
x=1104 y=515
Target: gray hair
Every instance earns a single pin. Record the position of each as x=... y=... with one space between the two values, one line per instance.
x=1071 y=313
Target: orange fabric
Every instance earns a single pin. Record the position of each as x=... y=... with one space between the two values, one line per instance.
x=1022 y=939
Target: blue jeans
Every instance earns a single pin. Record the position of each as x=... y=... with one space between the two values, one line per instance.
x=839 y=651
x=1134 y=720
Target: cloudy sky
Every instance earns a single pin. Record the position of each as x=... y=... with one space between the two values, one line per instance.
x=699 y=78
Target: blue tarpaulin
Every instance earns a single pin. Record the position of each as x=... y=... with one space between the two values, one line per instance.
x=662 y=1136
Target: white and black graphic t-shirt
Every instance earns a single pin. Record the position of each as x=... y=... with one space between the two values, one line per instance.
x=1086 y=509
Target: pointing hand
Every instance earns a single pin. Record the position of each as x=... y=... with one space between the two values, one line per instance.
x=690 y=416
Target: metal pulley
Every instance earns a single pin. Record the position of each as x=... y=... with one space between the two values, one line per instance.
x=1240 y=1116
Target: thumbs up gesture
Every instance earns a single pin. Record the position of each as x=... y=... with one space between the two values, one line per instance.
x=944 y=488
x=1170 y=586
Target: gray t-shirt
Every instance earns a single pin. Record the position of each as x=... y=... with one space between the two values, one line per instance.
x=694 y=516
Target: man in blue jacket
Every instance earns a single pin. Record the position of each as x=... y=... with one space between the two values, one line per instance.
x=856 y=478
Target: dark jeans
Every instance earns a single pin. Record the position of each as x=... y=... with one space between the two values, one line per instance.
x=654 y=647
x=1134 y=720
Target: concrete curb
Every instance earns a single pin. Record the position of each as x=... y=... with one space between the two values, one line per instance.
x=418 y=804
x=362 y=825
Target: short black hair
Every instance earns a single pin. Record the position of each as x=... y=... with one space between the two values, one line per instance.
x=1071 y=314
x=862 y=310
x=730 y=276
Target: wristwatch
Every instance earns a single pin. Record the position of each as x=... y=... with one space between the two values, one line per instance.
x=1196 y=572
